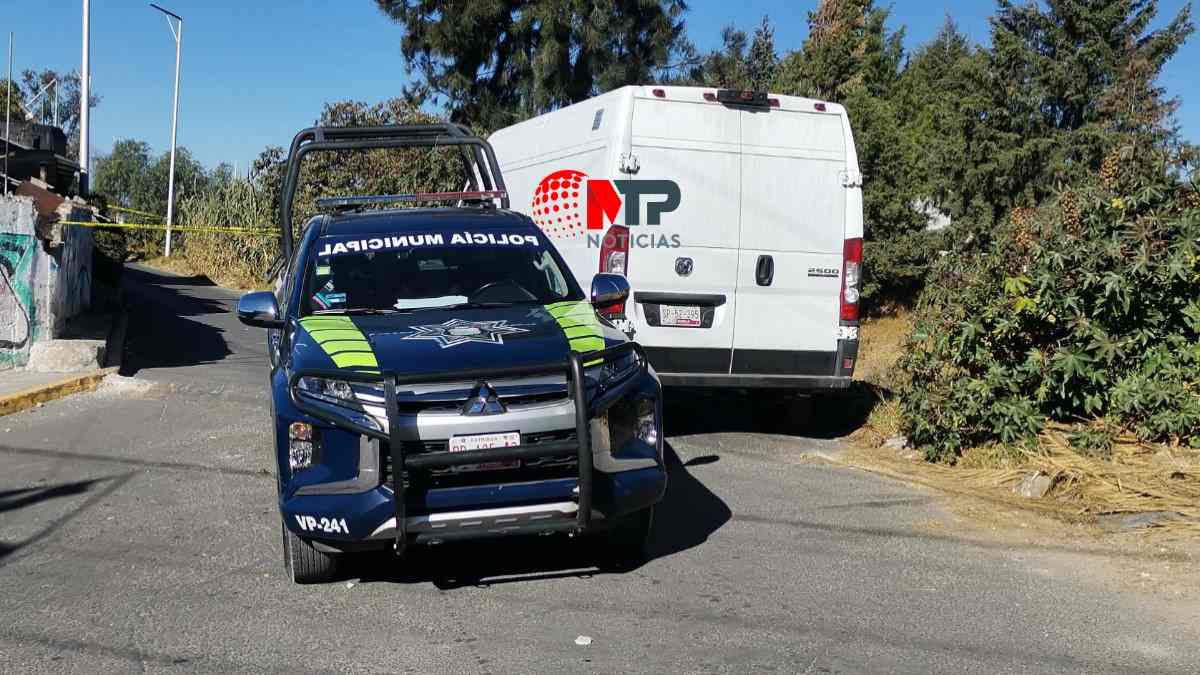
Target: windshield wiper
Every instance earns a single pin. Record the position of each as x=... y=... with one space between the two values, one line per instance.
x=355 y=311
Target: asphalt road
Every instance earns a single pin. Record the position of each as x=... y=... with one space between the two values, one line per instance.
x=138 y=532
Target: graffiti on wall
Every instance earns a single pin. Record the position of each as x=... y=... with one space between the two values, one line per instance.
x=16 y=294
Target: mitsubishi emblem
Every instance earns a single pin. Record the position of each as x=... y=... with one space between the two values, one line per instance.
x=483 y=401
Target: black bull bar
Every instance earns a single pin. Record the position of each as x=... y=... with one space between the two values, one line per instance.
x=573 y=367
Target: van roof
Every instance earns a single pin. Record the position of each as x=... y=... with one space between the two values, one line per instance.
x=690 y=94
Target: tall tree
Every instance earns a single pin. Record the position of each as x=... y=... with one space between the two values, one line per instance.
x=742 y=62
x=943 y=92
x=496 y=63
x=1072 y=81
x=11 y=99
x=848 y=47
x=130 y=177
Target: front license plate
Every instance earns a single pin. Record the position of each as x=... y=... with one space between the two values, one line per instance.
x=507 y=439
x=679 y=315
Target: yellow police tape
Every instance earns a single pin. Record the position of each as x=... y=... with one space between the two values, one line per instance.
x=140 y=213
x=174 y=228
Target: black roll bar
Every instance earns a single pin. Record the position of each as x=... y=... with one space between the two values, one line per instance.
x=477 y=155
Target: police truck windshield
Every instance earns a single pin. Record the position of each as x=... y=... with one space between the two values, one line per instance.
x=368 y=274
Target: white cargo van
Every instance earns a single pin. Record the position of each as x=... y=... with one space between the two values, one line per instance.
x=752 y=280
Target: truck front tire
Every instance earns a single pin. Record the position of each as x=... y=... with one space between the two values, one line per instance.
x=624 y=547
x=304 y=564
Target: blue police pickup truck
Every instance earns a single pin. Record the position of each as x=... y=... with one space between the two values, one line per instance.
x=437 y=374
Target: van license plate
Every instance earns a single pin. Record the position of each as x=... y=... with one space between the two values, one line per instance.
x=679 y=315
x=486 y=442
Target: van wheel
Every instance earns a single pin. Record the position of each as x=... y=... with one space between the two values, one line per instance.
x=624 y=547
x=305 y=564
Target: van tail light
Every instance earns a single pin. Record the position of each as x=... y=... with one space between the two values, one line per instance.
x=614 y=250
x=852 y=257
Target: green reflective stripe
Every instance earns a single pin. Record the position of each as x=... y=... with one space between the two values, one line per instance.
x=353 y=359
x=580 y=332
x=342 y=341
x=588 y=344
x=579 y=325
x=324 y=335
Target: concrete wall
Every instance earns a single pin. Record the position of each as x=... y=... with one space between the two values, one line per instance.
x=41 y=285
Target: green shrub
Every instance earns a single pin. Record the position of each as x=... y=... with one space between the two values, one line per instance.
x=1087 y=308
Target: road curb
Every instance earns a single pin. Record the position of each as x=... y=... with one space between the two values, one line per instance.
x=73 y=384
x=114 y=349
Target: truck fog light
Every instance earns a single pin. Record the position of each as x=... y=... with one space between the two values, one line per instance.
x=647 y=421
x=300 y=431
x=300 y=454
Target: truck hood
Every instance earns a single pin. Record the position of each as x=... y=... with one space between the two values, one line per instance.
x=431 y=341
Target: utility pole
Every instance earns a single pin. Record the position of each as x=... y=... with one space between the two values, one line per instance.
x=7 y=112
x=85 y=95
x=177 y=32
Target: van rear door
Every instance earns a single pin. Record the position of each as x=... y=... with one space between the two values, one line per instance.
x=792 y=213
x=695 y=144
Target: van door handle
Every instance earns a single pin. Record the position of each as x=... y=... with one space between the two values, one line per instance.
x=764 y=273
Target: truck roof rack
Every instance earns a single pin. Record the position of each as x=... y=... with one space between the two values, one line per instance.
x=343 y=203
x=481 y=171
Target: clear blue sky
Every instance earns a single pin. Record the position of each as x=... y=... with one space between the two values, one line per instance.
x=255 y=71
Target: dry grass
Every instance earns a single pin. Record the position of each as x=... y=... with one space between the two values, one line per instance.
x=881 y=343
x=1136 y=477
x=184 y=265
x=176 y=264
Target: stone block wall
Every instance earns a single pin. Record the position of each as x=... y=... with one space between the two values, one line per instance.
x=42 y=283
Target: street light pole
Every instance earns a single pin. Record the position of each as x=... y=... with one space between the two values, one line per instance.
x=85 y=93
x=7 y=111
x=177 y=32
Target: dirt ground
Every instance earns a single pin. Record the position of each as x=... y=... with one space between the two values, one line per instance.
x=1159 y=559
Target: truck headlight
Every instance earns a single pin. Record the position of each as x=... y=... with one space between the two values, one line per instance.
x=337 y=390
x=359 y=403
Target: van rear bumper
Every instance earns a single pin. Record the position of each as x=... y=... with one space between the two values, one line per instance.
x=739 y=368
x=803 y=382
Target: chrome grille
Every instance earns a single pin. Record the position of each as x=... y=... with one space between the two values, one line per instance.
x=545 y=468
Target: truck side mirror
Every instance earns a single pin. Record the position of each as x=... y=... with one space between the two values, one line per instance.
x=609 y=293
x=259 y=309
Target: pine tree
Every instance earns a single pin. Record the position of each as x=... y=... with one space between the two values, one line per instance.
x=495 y=63
x=762 y=63
x=943 y=94
x=1072 y=82
x=742 y=62
x=848 y=46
